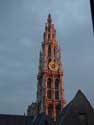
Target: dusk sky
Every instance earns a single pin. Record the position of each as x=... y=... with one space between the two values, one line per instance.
x=21 y=33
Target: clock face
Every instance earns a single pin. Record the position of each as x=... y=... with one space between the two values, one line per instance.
x=53 y=66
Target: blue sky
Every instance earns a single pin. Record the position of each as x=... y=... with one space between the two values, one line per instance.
x=21 y=33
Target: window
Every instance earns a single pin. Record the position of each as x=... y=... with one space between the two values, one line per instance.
x=49 y=88
x=50 y=110
x=49 y=51
x=49 y=94
x=57 y=89
x=57 y=84
x=56 y=94
x=49 y=36
x=49 y=83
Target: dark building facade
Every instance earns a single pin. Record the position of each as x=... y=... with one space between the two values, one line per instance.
x=15 y=119
x=78 y=112
x=92 y=11
x=50 y=107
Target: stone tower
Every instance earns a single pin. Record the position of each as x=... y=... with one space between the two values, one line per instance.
x=50 y=87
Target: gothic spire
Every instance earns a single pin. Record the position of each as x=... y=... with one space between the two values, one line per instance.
x=49 y=19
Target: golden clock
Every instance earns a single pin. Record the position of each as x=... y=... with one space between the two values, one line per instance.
x=53 y=66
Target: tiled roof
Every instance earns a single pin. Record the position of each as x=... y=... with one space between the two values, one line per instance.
x=70 y=114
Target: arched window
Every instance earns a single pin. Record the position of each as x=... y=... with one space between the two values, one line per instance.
x=49 y=36
x=50 y=110
x=49 y=83
x=49 y=51
x=49 y=95
x=57 y=89
x=57 y=84
x=56 y=94
x=49 y=88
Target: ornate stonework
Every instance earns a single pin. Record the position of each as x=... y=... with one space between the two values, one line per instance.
x=50 y=87
x=50 y=92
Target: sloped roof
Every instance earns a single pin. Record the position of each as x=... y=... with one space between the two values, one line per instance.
x=42 y=119
x=78 y=105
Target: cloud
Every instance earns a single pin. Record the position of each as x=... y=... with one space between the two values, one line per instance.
x=21 y=33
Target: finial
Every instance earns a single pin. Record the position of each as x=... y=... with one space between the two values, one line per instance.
x=49 y=15
x=49 y=18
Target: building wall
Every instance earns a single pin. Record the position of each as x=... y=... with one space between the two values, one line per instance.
x=92 y=11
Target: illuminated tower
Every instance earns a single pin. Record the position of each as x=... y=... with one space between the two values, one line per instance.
x=50 y=87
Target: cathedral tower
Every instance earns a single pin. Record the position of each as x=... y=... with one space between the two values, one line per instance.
x=50 y=87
